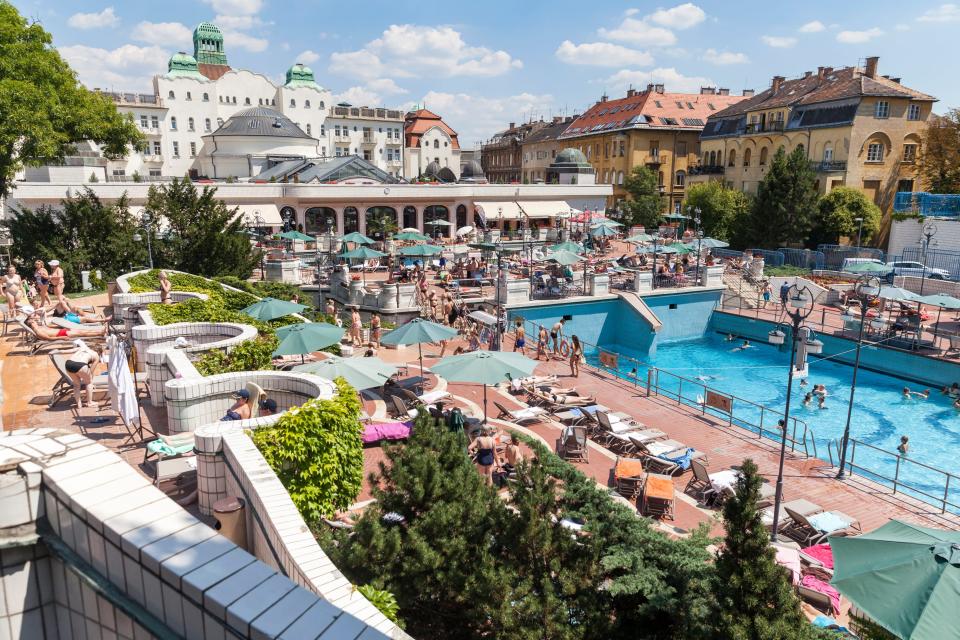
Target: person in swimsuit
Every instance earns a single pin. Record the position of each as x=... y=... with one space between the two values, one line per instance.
x=56 y=279
x=240 y=409
x=49 y=333
x=542 y=339
x=63 y=309
x=513 y=454
x=268 y=407
x=356 y=327
x=165 y=287
x=375 y=329
x=520 y=342
x=904 y=445
x=556 y=334
x=41 y=280
x=576 y=354
x=80 y=366
x=13 y=288
x=485 y=448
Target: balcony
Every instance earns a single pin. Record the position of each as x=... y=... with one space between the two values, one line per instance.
x=829 y=166
x=368 y=141
x=706 y=170
x=342 y=138
x=366 y=113
x=125 y=98
x=394 y=142
x=654 y=160
x=149 y=131
x=758 y=127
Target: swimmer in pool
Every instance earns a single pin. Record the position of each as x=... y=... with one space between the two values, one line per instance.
x=730 y=337
x=906 y=393
x=746 y=345
x=807 y=400
x=822 y=403
x=904 y=445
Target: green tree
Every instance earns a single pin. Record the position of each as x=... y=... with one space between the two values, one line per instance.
x=837 y=214
x=382 y=222
x=645 y=205
x=939 y=154
x=722 y=210
x=756 y=601
x=44 y=110
x=204 y=237
x=82 y=232
x=786 y=202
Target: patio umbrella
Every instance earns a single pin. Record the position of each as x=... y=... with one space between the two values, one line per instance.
x=361 y=373
x=362 y=253
x=567 y=245
x=307 y=337
x=869 y=267
x=640 y=237
x=465 y=231
x=296 y=235
x=271 y=309
x=438 y=223
x=897 y=293
x=485 y=367
x=357 y=238
x=941 y=301
x=420 y=250
x=709 y=243
x=411 y=236
x=602 y=231
x=679 y=247
x=606 y=223
x=418 y=331
x=904 y=576
x=409 y=230
x=566 y=258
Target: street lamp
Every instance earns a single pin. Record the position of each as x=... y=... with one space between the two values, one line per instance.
x=696 y=220
x=258 y=222
x=867 y=290
x=859 y=230
x=145 y=220
x=799 y=306
x=929 y=230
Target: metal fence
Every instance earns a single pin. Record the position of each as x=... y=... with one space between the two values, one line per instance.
x=935 y=259
x=927 y=204
x=770 y=258
x=803 y=258
x=835 y=254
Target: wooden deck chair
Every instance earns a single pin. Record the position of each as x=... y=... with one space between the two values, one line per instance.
x=700 y=486
x=573 y=444
x=628 y=477
x=519 y=416
x=399 y=409
x=804 y=531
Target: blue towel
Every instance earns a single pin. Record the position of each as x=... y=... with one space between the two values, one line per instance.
x=826 y=622
x=682 y=460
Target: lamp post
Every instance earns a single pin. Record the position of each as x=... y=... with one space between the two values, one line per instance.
x=859 y=230
x=929 y=230
x=258 y=224
x=799 y=306
x=696 y=220
x=867 y=290
x=145 y=220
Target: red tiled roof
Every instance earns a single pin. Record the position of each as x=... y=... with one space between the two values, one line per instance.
x=416 y=123
x=212 y=71
x=650 y=110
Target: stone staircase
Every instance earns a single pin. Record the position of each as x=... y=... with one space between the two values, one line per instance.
x=739 y=293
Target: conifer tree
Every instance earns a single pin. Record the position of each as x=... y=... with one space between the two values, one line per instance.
x=786 y=201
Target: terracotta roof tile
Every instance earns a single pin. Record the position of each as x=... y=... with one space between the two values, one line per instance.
x=416 y=123
x=212 y=71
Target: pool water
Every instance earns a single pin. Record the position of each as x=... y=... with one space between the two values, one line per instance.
x=880 y=414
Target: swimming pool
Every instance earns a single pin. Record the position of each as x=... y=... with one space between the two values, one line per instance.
x=880 y=414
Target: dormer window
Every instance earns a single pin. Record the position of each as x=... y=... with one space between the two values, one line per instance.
x=206 y=97
x=171 y=96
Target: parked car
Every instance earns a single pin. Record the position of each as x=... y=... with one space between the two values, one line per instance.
x=849 y=262
x=917 y=269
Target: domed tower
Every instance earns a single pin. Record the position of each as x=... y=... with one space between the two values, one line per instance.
x=183 y=65
x=571 y=167
x=300 y=75
x=208 y=44
x=472 y=173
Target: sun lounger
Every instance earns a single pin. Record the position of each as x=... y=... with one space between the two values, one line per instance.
x=398 y=409
x=700 y=485
x=815 y=528
x=35 y=343
x=528 y=414
x=573 y=444
x=628 y=477
x=64 y=386
x=669 y=456
x=166 y=448
x=63 y=323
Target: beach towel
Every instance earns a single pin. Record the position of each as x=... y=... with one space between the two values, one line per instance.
x=822 y=553
x=377 y=431
x=790 y=559
x=682 y=460
x=821 y=586
x=828 y=522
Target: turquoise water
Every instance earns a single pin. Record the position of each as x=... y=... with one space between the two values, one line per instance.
x=880 y=414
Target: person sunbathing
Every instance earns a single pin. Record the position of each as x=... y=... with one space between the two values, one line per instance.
x=63 y=309
x=50 y=333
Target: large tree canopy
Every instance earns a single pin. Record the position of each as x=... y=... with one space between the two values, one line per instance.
x=837 y=214
x=786 y=201
x=44 y=110
x=722 y=210
x=645 y=205
x=940 y=154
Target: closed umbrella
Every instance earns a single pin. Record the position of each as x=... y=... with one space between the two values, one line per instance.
x=420 y=250
x=357 y=238
x=361 y=373
x=565 y=258
x=307 y=337
x=485 y=367
x=271 y=309
x=410 y=236
x=904 y=576
x=418 y=331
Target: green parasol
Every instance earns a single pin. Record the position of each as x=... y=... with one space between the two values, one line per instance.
x=484 y=367
x=296 y=235
x=572 y=247
x=418 y=331
x=566 y=258
x=357 y=238
x=708 y=243
x=603 y=231
x=362 y=253
x=306 y=337
x=361 y=373
x=641 y=237
x=678 y=247
x=420 y=250
x=904 y=576
x=271 y=309
x=869 y=267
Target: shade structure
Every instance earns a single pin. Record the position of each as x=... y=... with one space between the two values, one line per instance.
x=438 y=223
x=410 y=236
x=708 y=243
x=485 y=367
x=602 y=231
x=565 y=258
x=640 y=237
x=941 y=300
x=869 y=267
x=606 y=223
x=357 y=238
x=271 y=309
x=904 y=576
x=897 y=293
x=307 y=337
x=361 y=373
x=679 y=247
x=296 y=235
x=465 y=230
x=420 y=250
x=418 y=331
x=567 y=245
x=362 y=253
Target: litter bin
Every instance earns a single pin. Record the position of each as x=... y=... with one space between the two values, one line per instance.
x=230 y=514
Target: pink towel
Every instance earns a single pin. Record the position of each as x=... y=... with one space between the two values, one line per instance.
x=377 y=431
x=822 y=553
x=790 y=559
x=816 y=584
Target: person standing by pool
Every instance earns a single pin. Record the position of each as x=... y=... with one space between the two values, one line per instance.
x=356 y=327
x=767 y=292
x=485 y=448
x=41 y=280
x=542 y=339
x=576 y=354
x=56 y=279
x=784 y=292
x=13 y=288
x=520 y=342
x=375 y=329
x=556 y=334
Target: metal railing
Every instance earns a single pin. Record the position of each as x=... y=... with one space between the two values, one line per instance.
x=902 y=466
x=799 y=435
x=835 y=254
x=829 y=165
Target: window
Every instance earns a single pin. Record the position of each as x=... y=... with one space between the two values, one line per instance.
x=711 y=107
x=143 y=122
x=293 y=103
x=176 y=149
x=763 y=156
x=909 y=153
x=308 y=129
x=689 y=106
x=206 y=97
x=732 y=158
x=681 y=177
x=905 y=185
x=436 y=144
x=154 y=122
x=875 y=152
x=321 y=104
x=206 y=125
x=881 y=109
x=156 y=148
x=193 y=149
x=219 y=122
x=323 y=130
x=746 y=157
x=119 y=172
x=261 y=102
x=189 y=97
x=245 y=100
x=681 y=149
x=620 y=178
x=171 y=96
x=155 y=173
x=190 y=126
x=173 y=124
x=828 y=153
x=306 y=104
x=679 y=105
x=657 y=102
x=913 y=112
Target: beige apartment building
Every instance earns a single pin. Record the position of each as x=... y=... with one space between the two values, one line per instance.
x=540 y=148
x=858 y=128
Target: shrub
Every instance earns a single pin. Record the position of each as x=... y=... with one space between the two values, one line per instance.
x=383 y=600
x=317 y=452
x=251 y=355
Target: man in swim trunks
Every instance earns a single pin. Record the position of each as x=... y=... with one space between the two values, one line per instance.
x=520 y=341
x=556 y=334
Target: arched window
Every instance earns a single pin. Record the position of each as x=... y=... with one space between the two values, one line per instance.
x=190 y=124
x=321 y=104
x=351 y=220
x=746 y=157
x=763 y=156
x=409 y=217
x=319 y=221
x=206 y=97
x=620 y=178
x=436 y=144
x=435 y=212
x=679 y=178
x=171 y=95
x=732 y=158
x=827 y=153
x=173 y=123
x=306 y=104
x=713 y=159
x=206 y=125
x=246 y=101
x=462 y=216
x=719 y=159
x=381 y=221
x=219 y=122
x=293 y=103
x=800 y=146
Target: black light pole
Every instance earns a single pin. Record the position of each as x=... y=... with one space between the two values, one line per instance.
x=867 y=290
x=258 y=222
x=929 y=230
x=801 y=301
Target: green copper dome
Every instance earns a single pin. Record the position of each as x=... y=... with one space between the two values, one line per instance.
x=300 y=75
x=183 y=65
x=571 y=156
x=208 y=44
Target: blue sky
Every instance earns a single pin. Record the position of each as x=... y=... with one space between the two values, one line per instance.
x=484 y=64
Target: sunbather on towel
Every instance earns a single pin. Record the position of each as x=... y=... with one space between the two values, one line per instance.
x=49 y=333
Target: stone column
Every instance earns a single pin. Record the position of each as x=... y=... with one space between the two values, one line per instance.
x=420 y=219
x=339 y=230
x=452 y=219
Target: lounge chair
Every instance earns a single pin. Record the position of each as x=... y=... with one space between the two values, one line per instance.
x=573 y=444
x=398 y=409
x=804 y=507
x=629 y=477
x=35 y=343
x=669 y=456
x=528 y=414
x=700 y=486
x=555 y=403
x=815 y=528
x=63 y=387
x=166 y=448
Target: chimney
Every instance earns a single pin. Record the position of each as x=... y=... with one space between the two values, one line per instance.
x=871 y=69
x=658 y=88
x=723 y=91
x=821 y=73
x=748 y=93
x=649 y=88
x=631 y=92
x=557 y=119
x=807 y=74
x=603 y=98
x=707 y=91
x=776 y=83
x=512 y=125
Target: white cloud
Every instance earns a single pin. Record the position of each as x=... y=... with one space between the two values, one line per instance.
x=902 y=27
x=240 y=23
x=640 y=32
x=236 y=7
x=245 y=41
x=475 y=117
x=673 y=80
x=814 y=26
x=126 y=68
x=164 y=34
x=422 y=50
x=779 y=42
x=859 y=37
x=682 y=16
x=944 y=13
x=308 y=57
x=386 y=86
x=724 y=57
x=602 y=54
x=359 y=96
x=106 y=18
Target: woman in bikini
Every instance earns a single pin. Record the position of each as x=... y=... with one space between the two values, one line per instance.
x=41 y=280
x=375 y=329
x=81 y=366
x=56 y=279
x=49 y=333
x=576 y=354
x=165 y=287
x=13 y=288
x=356 y=327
